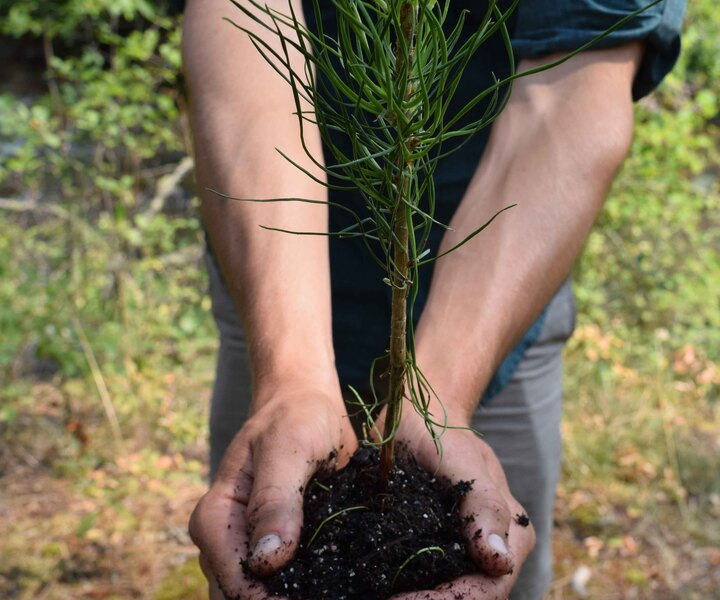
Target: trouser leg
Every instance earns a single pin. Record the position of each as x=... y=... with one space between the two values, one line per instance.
x=230 y=404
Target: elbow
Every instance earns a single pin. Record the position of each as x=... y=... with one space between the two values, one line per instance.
x=610 y=137
x=585 y=105
x=593 y=139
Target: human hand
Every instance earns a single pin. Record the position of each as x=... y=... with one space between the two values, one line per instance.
x=253 y=510
x=499 y=537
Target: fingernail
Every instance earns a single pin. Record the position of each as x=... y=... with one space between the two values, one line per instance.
x=497 y=543
x=266 y=545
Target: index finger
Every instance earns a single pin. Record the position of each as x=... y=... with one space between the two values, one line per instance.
x=219 y=529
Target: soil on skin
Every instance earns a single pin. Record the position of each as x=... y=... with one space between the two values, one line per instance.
x=403 y=537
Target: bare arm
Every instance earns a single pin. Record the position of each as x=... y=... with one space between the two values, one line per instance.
x=241 y=110
x=554 y=151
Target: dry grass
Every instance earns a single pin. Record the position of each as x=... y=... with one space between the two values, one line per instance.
x=639 y=505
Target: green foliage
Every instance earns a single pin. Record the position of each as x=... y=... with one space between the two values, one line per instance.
x=386 y=82
x=111 y=104
x=84 y=158
x=68 y=19
x=653 y=262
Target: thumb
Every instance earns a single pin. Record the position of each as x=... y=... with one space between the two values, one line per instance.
x=485 y=509
x=275 y=507
x=487 y=517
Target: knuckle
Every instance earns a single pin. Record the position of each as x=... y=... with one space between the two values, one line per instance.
x=195 y=524
x=267 y=499
x=268 y=506
x=492 y=505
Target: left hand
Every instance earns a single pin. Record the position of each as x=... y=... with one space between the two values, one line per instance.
x=496 y=541
x=253 y=510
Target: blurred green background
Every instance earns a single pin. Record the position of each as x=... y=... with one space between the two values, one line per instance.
x=107 y=345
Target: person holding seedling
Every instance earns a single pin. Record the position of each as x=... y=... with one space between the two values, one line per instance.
x=303 y=317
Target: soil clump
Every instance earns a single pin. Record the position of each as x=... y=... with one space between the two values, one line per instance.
x=362 y=540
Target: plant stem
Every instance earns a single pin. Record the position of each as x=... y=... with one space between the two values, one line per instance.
x=398 y=346
x=401 y=260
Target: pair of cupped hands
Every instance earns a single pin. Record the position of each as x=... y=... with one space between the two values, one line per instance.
x=254 y=510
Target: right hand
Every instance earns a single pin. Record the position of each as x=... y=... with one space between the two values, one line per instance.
x=496 y=541
x=254 y=510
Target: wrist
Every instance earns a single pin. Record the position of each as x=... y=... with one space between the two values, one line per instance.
x=316 y=380
x=458 y=369
x=414 y=428
x=458 y=374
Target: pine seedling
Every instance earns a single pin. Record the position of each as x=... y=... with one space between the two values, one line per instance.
x=386 y=83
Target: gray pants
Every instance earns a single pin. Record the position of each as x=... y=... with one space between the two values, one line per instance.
x=521 y=424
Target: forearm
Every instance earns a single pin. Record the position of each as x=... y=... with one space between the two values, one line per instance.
x=553 y=152
x=241 y=110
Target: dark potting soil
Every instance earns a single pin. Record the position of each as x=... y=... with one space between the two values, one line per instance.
x=364 y=541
